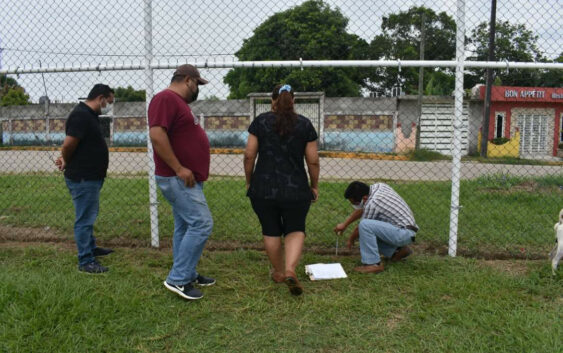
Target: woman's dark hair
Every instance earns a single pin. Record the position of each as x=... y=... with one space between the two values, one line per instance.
x=282 y=105
x=356 y=190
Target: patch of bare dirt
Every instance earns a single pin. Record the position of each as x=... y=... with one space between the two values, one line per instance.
x=515 y=268
x=529 y=186
x=18 y=245
x=532 y=253
x=26 y=234
x=394 y=320
x=47 y=235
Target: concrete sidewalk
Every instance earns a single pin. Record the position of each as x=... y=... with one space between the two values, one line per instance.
x=331 y=168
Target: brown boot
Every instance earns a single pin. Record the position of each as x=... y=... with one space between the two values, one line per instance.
x=293 y=284
x=401 y=253
x=375 y=268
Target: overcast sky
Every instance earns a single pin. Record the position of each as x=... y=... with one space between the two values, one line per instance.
x=68 y=32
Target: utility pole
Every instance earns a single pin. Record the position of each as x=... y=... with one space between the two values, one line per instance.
x=487 y=113
x=420 y=78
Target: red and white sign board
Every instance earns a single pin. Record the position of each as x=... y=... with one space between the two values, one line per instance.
x=524 y=94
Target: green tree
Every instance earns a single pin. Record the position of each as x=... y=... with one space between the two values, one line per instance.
x=439 y=83
x=14 y=96
x=11 y=93
x=311 y=31
x=512 y=43
x=7 y=82
x=401 y=38
x=552 y=78
x=129 y=94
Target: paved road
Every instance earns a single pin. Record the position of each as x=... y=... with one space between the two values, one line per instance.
x=331 y=168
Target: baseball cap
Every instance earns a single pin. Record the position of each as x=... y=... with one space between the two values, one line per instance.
x=190 y=71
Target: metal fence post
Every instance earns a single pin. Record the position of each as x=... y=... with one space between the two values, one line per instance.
x=111 y=128
x=47 y=131
x=153 y=202
x=10 y=133
x=458 y=125
x=489 y=81
x=322 y=121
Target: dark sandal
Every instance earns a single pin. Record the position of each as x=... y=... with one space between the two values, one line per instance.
x=294 y=286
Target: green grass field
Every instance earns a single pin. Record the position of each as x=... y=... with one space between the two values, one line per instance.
x=425 y=304
x=499 y=212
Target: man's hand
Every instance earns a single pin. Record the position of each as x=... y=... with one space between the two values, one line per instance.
x=187 y=176
x=60 y=163
x=340 y=227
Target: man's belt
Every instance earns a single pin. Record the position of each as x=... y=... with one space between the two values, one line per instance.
x=413 y=228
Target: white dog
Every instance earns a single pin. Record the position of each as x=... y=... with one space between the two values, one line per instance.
x=557 y=252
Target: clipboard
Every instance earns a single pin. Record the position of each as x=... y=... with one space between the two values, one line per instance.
x=321 y=271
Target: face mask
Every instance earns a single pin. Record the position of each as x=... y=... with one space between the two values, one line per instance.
x=107 y=109
x=193 y=98
x=360 y=205
x=194 y=95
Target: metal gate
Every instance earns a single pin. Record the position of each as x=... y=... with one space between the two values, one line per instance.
x=436 y=128
x=534 y=134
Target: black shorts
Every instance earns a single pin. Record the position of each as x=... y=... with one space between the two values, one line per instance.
x=281 y=217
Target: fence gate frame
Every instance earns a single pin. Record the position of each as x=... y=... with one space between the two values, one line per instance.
x=319 y=119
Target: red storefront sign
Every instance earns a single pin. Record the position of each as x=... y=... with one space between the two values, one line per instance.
x=524 y=94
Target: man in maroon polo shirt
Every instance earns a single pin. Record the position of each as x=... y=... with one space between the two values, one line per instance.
x=181 y=154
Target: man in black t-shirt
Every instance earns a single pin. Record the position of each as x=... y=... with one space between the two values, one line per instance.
x=84 y=159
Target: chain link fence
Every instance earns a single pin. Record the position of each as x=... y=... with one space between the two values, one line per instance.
x=397 y=91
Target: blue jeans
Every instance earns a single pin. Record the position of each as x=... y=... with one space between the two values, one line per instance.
x=378 y=237
x=86 y=199
x=192 y=227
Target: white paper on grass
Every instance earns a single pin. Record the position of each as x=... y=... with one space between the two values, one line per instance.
x=325 y=271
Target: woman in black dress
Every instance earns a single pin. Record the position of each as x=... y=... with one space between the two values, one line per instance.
x=278 y=186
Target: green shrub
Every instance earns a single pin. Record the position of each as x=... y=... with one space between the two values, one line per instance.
x=500 y=140
x=424 y=155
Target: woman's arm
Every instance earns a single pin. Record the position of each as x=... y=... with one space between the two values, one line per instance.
x=250 y=157
x=312 y=160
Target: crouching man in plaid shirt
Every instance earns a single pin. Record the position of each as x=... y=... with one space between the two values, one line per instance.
x=387 y=224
